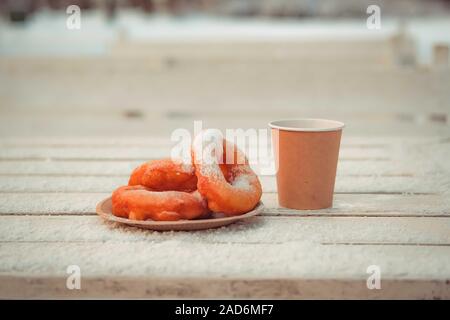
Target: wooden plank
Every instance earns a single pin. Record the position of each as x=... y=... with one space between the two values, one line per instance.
x=58 y=142
x=256 y=51
x=436 y=117
x=278 y=264
x=152 y=53
x=261 y=230
x=249 y=260
x=94 y=126
x=247 y=118
x=246 y=87
x=124 y=168
x=140 y=153
x=101 y=286
x=369 y=205
x=347 y=184
x=344 y=205
x=45 y=143
x=161 y=141
x=68 y=168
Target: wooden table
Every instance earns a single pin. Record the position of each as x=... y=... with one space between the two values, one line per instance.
x=71 y=133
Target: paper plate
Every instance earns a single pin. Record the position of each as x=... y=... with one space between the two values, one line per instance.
x=104 y=209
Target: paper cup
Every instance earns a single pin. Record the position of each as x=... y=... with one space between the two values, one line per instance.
x=306 y=155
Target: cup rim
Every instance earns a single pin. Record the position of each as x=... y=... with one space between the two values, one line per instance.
x=327 y=125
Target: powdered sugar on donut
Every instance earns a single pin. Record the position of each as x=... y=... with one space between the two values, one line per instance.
x=242 y=182
x=208 y=147
x=212 y=171
x=187 y=168
x=185 y=165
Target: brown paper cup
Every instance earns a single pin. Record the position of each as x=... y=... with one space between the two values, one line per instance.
x=306 y=155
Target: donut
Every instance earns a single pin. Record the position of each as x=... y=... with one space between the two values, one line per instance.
x=165 y=175
x=225 y=178
x=142 y=203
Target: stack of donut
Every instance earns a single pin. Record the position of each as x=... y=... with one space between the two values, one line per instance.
x=215 y=179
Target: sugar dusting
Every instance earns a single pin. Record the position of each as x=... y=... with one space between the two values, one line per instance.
x=208 y=148
x=242 y=182
x=211 y=171
x=185 y=164
x=187 y=167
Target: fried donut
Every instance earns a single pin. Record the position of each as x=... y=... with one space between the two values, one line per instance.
x=165 y=175
x=225 y=178
x=141 y=203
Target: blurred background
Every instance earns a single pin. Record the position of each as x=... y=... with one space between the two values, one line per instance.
x=146 y=67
